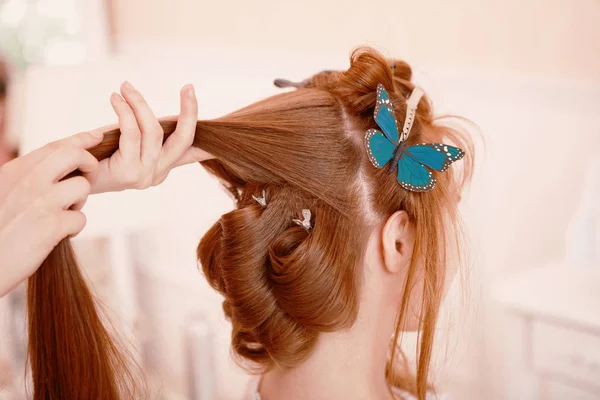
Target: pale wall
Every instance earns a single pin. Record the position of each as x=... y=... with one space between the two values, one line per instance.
x=548 y=38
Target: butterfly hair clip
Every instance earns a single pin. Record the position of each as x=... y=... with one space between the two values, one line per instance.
x=413 y=162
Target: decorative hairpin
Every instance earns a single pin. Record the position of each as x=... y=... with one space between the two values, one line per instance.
x=412 y=161
x=261 y=200
x=306 y=222
x=284 y=83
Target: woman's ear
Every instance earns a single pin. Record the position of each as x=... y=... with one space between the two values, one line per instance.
x=398 y=240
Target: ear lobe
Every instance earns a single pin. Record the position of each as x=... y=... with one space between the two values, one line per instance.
x=398 y=239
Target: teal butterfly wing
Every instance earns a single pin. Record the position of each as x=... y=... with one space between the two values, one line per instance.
x=414 y=162
x=379 y=149
x=381 y=146
x=437 y=156
x=384 y=115
x=413 y=175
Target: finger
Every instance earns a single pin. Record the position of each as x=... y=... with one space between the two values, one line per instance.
x=152 y=133
x=108 y=128
x=130 y=141
x=67 y=193
x=84 y=140
x=61 y=163
x=71 y=222
x=183 y=136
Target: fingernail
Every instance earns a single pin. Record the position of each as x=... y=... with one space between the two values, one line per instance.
x=115 y=97
x=128 y=86
x=191 y=92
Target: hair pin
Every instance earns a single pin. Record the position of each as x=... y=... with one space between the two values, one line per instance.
x=285 y=83
x=305 y=223
x=261 y=200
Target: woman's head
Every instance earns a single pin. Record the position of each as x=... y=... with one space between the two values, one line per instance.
x=372 y=244
x=283 y=286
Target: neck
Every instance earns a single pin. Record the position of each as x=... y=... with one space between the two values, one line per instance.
x=358 y=355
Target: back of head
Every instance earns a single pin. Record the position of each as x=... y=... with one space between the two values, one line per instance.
x=283 y=285
x=305 y=149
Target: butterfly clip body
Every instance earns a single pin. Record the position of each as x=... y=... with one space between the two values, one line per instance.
x=414 y=163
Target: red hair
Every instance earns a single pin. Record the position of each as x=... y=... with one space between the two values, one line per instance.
x=281 y=285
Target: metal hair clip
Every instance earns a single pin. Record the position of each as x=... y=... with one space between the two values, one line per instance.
x=306 y=222
x=284 y=83
x=261 y=200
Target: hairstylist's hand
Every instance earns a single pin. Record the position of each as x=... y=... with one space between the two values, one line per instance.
x=37 y=209
x=142 y=160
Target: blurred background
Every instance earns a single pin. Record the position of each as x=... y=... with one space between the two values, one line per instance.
x=523 y=322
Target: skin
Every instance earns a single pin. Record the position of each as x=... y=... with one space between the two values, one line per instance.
x=359 y=354
x=38 y=208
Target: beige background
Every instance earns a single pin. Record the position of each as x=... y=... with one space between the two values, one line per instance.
x=558 y=39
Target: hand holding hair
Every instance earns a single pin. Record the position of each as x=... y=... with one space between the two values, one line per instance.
x=71 y=353
x=142 y=160
x=37 y=208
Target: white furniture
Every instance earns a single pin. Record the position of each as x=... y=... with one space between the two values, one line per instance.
x=552 y=333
